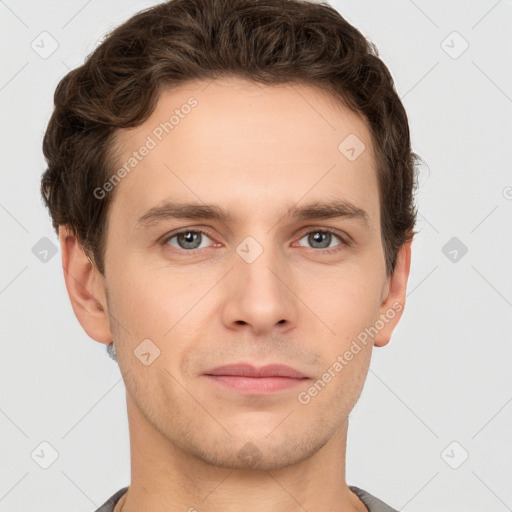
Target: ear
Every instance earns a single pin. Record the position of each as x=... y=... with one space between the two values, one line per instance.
x=85 y=287
x=393 y=304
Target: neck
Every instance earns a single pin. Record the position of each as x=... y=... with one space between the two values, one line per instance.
x=164 y=477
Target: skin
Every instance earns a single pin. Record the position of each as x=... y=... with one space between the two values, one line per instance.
x=254 y=150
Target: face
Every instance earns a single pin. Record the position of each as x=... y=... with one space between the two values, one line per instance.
x=275 y=280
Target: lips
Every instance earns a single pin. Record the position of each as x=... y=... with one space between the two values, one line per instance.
x=252 y=380
x=246 y=370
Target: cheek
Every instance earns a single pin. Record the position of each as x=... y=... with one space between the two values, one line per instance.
x=348 y=306
x=347 y=302
x=161 y=303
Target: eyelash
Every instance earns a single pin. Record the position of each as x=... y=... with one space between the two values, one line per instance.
x=343 y=241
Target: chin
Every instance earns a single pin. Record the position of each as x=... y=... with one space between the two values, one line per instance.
x=259 y=452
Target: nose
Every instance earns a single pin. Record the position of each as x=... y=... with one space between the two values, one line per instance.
x=258 y=294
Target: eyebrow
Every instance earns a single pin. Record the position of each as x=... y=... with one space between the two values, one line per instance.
x=192 y=211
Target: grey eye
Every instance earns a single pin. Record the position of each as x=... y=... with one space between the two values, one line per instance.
x=319 y=239
x=188 y=239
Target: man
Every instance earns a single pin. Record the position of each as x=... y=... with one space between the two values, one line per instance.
x=232 y=185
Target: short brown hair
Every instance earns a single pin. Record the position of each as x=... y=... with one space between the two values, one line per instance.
x=266 y=41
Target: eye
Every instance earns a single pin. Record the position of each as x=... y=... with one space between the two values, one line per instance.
x=191 y=239
x=187 y=239
x=321 y=239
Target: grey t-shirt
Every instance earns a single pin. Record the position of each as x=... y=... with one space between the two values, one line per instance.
x=372 y=503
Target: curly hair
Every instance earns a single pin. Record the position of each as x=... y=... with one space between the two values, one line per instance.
x=267 y=41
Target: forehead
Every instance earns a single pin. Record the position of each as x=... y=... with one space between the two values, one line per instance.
x=243 y=144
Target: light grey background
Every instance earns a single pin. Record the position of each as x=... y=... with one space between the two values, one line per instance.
x=442 y=388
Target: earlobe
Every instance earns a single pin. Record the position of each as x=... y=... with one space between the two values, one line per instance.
x=85 y=286
x=392 y=306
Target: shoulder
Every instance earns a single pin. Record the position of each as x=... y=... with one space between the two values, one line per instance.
x=109 y=505
x=372 y=503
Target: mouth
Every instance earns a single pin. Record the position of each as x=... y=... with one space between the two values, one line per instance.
x=249 y=379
